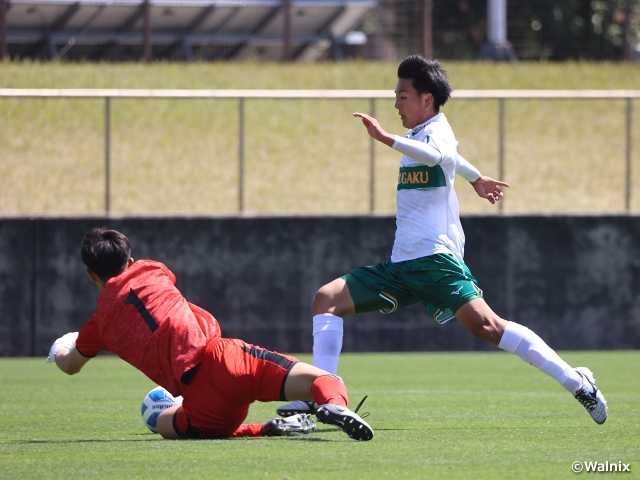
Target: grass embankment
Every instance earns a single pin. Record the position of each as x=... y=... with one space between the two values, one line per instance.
x=302 y=156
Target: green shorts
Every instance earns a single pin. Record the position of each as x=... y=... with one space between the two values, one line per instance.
x=441 y=282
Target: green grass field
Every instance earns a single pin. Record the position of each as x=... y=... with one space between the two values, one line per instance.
x=302 y=156
x=436 y=415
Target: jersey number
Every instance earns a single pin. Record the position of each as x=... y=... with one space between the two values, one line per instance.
x=134 y=300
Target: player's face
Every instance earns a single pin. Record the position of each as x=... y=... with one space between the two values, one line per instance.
x=413 y=108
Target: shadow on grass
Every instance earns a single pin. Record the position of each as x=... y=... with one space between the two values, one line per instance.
x=150 y=437
x=93 y=440
x=159 y=439
x=306 y=438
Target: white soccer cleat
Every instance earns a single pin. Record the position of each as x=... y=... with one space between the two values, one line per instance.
x=294 y=425
x=591 y=397
x=350 y=422
x=297 y=406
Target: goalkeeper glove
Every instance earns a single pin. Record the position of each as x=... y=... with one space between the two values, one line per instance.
x=300 y=424
x=67 y=341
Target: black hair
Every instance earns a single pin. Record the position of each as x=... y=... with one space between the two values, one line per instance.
x=427 y=77
x=105 y=252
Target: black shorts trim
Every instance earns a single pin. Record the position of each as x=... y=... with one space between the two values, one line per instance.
x=192 y=432
x=187 y=377
x=175 y=425
x=269 y=356
x=273 y=357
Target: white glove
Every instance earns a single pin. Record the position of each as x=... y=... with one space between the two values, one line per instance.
x=67 y=341
x=300 y=424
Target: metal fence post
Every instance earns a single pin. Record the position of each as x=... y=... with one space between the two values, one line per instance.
x=147 y=49
x=501 y=147
x=372 y=164
x=628 y=158
x=107 y=154
x=4 y=53
x=36 y=274
x=241 y=155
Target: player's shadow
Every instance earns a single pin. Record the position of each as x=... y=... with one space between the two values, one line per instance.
x=305 y=438
x=80 y=440
x=296 y=438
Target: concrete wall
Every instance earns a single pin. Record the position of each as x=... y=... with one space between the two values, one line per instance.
x=573 y=280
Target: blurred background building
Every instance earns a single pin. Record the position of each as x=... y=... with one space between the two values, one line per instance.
x=553 y=30
x=311 y=30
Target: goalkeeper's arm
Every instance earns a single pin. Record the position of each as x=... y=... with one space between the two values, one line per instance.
x=66 y=355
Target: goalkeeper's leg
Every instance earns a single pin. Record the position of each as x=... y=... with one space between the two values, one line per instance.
x=306 y=382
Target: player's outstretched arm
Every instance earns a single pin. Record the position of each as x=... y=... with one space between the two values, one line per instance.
x=66 y=355
x=70 y=361
x=487 y=187
x=375 y=130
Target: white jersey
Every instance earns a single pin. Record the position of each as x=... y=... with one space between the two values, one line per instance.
x=427 y=211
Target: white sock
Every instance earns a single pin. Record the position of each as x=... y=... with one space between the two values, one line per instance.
x=532 y=349
x=327 y=341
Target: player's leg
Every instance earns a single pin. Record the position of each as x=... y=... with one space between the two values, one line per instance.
x=332 y=302
x=298 y=389
x=175 y=424
x=275 y=376
x=481 y=321
x=364 y=289
x=165 y=424
x=446 y=282
x=478 y=318
x=306 y=382
x=216 y=399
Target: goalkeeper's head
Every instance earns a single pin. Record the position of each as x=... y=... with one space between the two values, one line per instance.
x=105 y=252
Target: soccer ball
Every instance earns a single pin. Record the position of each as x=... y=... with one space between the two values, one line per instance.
x=156 y=401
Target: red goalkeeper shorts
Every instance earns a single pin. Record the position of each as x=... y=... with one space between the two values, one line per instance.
x=232 y=375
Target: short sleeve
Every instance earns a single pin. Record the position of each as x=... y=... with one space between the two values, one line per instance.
x=89 y=343
x=169 y=273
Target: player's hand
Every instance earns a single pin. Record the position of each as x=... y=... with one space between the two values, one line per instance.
x=374 y=129
x=300 y=424
x=487 y=187
x=67 y=342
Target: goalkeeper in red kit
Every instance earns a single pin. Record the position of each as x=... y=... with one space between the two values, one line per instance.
x=144 y=319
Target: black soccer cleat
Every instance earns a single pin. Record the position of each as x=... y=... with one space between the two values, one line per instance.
x=350 y=422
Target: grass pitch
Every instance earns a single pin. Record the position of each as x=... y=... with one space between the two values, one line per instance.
x=436 y=415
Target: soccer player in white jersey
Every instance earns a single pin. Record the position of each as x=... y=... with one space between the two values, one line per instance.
x=427 y=259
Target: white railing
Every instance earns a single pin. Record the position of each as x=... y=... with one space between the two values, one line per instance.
x=500 y=95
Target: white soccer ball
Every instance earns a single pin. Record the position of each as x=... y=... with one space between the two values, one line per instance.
x=154 y=403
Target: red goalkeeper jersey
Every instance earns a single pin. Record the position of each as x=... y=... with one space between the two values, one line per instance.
x=144 y=319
